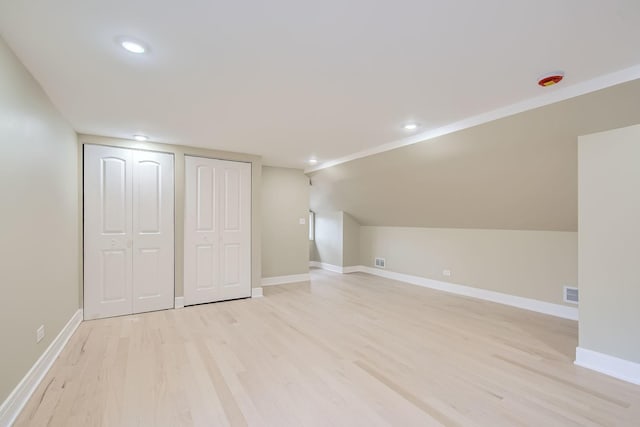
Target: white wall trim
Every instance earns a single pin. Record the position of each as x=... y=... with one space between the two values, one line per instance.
x=256 y=293
x=178 y=302
x=326 y=266
x=13 y=405
x=549 y=97
x=281 y=280
x=335 y=268
x=622 y=369
x=557 y=310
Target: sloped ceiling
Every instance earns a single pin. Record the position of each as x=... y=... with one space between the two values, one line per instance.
x=519 y=172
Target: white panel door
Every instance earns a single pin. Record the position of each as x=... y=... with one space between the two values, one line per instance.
x=235 y=230
x=153 y=248
x=107 y=232
x=217 y=230
x=128 y=231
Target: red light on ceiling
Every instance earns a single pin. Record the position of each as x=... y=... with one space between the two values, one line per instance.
x=551 y=79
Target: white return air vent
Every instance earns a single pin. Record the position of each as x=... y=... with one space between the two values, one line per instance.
x=379 y=262
x=571 y=295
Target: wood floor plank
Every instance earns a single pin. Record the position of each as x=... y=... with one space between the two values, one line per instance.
x=352 y=350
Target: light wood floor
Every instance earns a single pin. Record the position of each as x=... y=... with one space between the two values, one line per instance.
x=352 y=350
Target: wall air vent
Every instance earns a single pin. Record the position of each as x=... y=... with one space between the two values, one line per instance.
x=571 y=295
x=379 y=262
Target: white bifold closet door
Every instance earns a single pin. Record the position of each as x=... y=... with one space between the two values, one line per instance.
x=217 y=228
x=128 y=231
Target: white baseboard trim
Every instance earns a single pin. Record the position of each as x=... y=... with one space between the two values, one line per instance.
x=609 y=365
x=325 y=266
x=551 y=309
x=256 y=293
x=281 y=280
x=178 y=302
x=13 y=405
x=335 y=268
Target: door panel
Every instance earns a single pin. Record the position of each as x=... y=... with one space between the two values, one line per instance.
x=236 y=233
x=205 y=198
x=201 y=252
x=232 y=194
x=206 y=266
x=231 y=266
x=149 y=202
x=114 y=195
x=114 y=276
x=153 y=231
x=217 y=230
x=107 y=231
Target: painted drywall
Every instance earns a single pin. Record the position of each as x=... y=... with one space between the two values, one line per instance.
x=285 y=241
x=327 y=246
x=517 y=173
x=179 y=152
x=530 y=264
x=38 y=221
x=350 y=241
x=609 y=250
x=337 y=239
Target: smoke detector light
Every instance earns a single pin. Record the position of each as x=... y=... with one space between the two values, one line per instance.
x=141 y=138
x=551 y=79
x=131 y=45
x=410 y=126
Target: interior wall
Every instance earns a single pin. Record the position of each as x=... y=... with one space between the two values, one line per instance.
x=285 y=201
x=327 y=246
x=530 y=264
x=350 y=241
x=609 y=251
x=179 y=152
x=39 y=223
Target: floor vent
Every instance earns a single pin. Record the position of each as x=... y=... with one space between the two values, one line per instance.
x=380 y=262
x=571 y=295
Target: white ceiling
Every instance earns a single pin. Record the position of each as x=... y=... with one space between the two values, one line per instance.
x=289 y=79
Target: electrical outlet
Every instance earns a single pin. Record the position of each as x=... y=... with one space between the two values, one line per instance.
x=40 y=333
x=446 y=273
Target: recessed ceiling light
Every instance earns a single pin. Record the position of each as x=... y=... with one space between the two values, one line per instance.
x=140 y=138
x=410 y=126
x=132 y=46
x=313 y=161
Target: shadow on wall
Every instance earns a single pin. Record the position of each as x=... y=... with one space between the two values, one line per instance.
x=337 y=239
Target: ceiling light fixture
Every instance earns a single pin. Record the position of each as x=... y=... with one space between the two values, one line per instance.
x=410 y=126
x=313 y=161
x=141 y=138
x=132 y=46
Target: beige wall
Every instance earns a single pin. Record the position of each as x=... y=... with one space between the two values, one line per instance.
x=530 y=264
x=337 y=239
x=350 y=241
x=327 y=246
x=609 y=252
x=38 y=221
x=179 y=151
x=285 y=242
